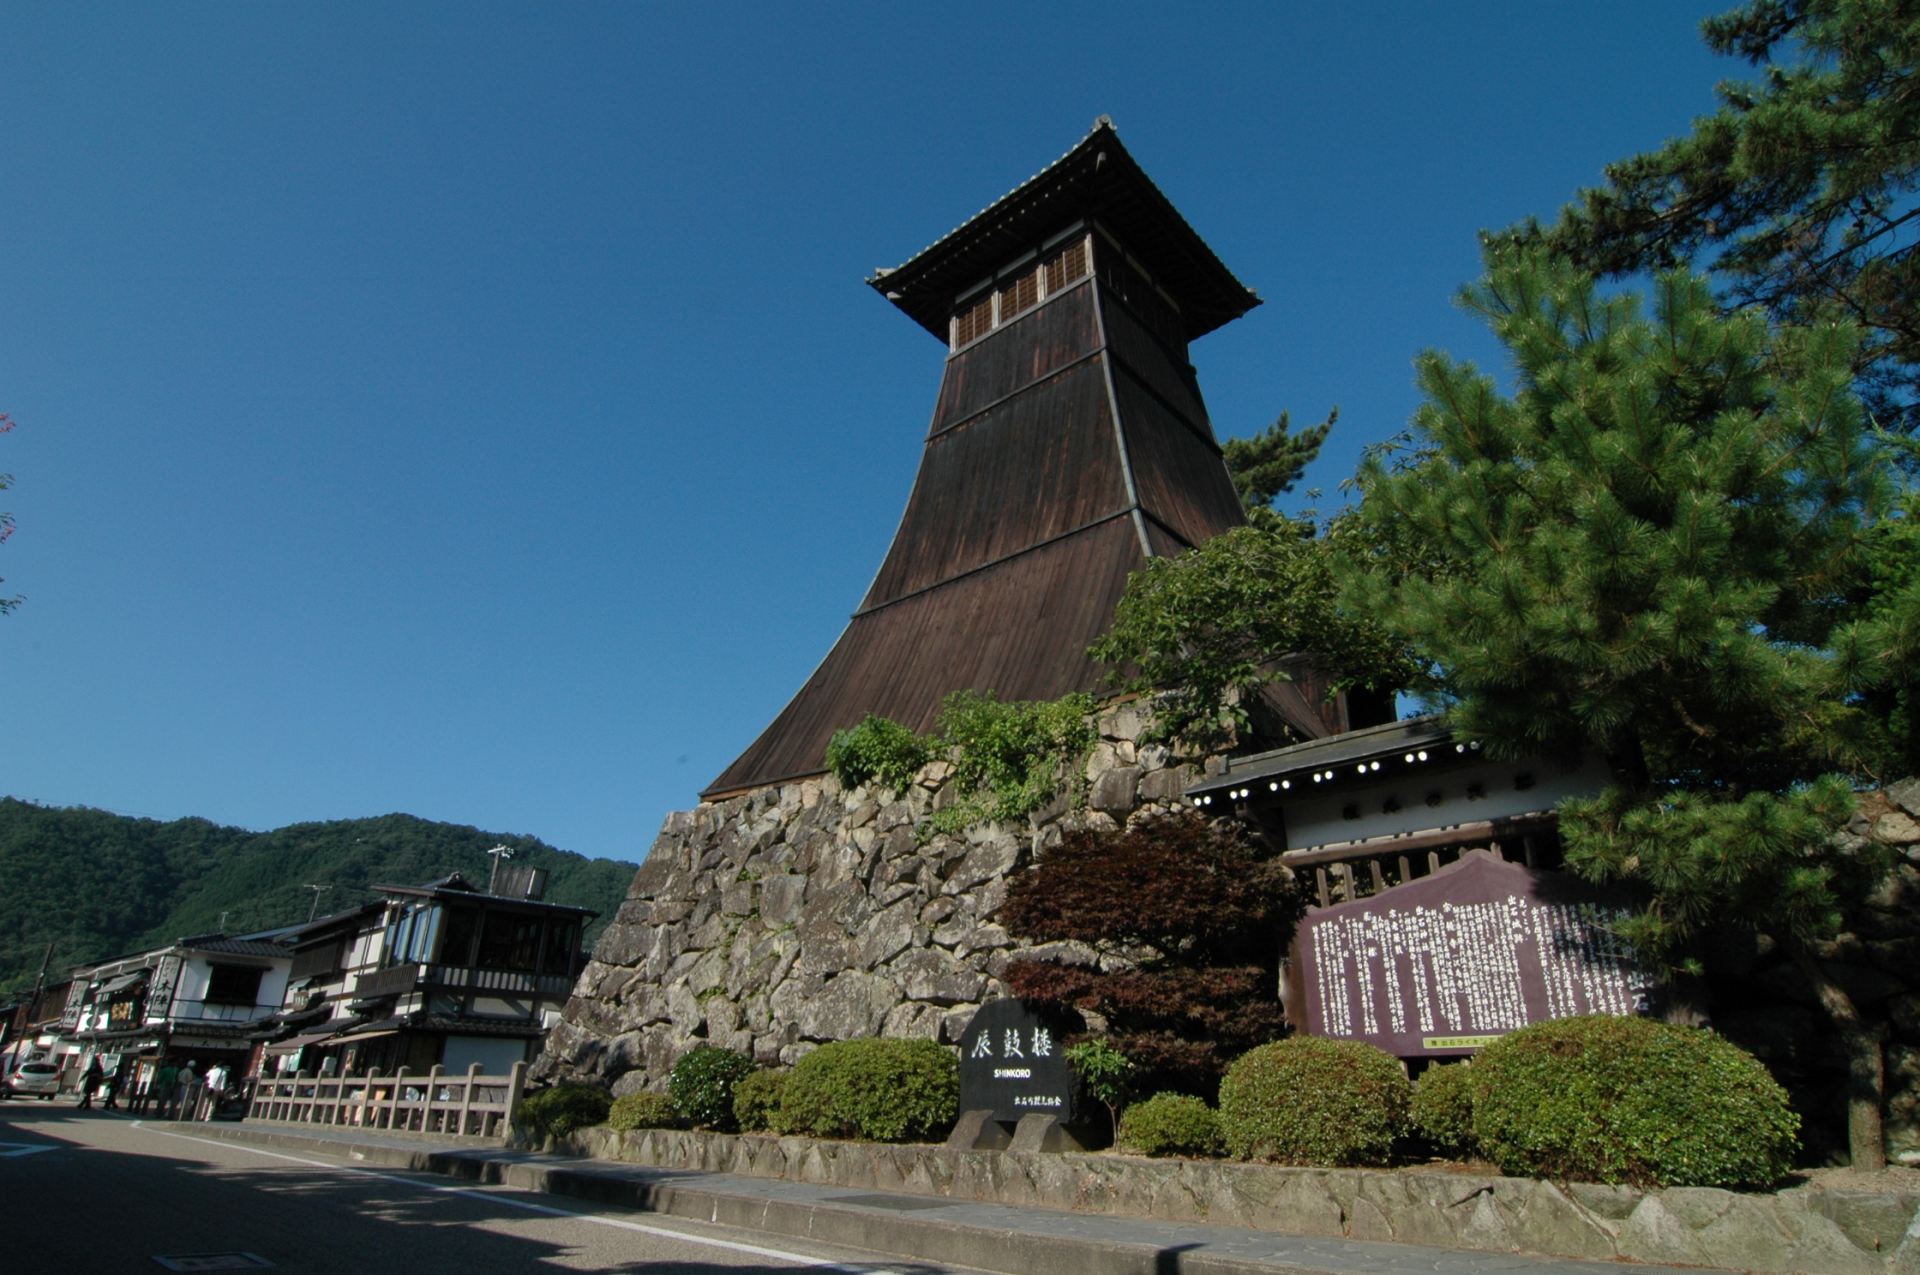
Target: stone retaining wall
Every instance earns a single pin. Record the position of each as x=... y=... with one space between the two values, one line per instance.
x=1821 y=1230
x=802 y=913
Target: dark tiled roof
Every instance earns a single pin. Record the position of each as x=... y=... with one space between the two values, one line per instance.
x=1096 y=180
x=1349 y=748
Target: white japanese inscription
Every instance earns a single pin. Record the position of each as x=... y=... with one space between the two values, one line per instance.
x=1462 y=968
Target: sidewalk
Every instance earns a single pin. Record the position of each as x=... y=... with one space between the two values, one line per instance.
x=993 y=1237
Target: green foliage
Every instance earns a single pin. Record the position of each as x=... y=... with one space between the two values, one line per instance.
x=1632 y=1100
x=1797 y=193
x=873 y=1089
x=99 y=884
x=878 y=748
x=642 y=1111
x=1210 y=627
x=1763 y=860
x=1442 y=1113
x=756 y=1099
x=1171 y=1124
x=1310 y=1100
x=1104 y=1072
x=1010 y=757
x=702 y=1082
x=1267 y=465
x=1198 y=914
x=557 y=1112
x=1652 y=544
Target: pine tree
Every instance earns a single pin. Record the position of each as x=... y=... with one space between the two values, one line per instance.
x=1654 y=546
x=1266 y=466
x=1798 y=193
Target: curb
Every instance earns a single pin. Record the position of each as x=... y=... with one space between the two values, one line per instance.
x=894 y=1226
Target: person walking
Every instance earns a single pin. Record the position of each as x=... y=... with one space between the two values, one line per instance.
x=110 y=1088
x=189 y=1090
x=90 y=1081
x=166 y=1083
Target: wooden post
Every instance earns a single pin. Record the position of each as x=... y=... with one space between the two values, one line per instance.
x=366 y=1095
x=395 y=1109
x=466 y=1097
x=516 y=1085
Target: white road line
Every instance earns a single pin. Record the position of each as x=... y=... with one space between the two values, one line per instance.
x=492 y=1197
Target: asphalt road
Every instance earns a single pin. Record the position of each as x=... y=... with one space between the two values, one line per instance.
x=86 y=1192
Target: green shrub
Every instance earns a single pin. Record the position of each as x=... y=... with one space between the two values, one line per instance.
x=1309 y=1100
x=557 y=1112
x=1443 y=1110
x=1009 y=757
x=756 y=1098
x=1634 y=1100
x=878 y=748
x=1171 y=1124
x=642 y=1111
x=701 y=1085
x=882 y=1090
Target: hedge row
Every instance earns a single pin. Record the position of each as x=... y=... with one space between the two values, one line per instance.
x=1598 y=1099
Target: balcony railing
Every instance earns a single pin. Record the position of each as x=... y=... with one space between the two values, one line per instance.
x=404 y=978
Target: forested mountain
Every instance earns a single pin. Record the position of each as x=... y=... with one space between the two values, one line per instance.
x=97 y=885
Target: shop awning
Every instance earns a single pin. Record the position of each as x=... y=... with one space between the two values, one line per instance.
x=123 y=982
x=293 y=1044
x=367 y=1031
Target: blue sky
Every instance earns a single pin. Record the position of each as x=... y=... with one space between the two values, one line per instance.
x=476 y=410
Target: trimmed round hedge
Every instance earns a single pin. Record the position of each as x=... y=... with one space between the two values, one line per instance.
x=1443 y=1110
x=557 y=1112
x=1171 y=1124
x=701 y=1085
x=756 y=1098
x=642 y=1110
x=879 y=1090
x=1310 y=1100
x=1631 y=1100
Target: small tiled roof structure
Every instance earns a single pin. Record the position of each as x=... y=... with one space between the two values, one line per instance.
x=1069 y=445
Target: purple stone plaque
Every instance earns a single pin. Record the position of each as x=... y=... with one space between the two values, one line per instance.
x=1456 y=959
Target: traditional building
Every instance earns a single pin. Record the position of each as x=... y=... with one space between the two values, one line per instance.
x=1069 y=445
x=441 y=974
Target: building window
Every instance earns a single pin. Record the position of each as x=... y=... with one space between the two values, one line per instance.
x=509 y=942
x=234 y=985
x=1022 y=290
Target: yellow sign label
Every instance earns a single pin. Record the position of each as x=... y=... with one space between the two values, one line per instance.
x=1456 y=1042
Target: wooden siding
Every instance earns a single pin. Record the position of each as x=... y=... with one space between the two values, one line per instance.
x=1163 y=371
x=1020 y=628
x=1016 y=355
x=1036 y=467
x=1181 y=481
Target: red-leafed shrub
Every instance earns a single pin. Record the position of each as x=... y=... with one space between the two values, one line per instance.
x=1202 y=918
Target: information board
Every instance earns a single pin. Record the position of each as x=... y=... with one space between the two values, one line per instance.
x=1011 y=1063
x=1456 y=959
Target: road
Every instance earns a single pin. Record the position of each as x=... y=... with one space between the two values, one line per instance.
x=99 y=1191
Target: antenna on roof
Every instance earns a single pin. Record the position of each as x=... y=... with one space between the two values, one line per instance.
x=493 y=878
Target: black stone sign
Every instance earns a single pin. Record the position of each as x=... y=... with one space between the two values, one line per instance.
x=1451 y=962
x=1011 y=1063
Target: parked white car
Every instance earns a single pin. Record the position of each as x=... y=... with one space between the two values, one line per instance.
x=34 y=1078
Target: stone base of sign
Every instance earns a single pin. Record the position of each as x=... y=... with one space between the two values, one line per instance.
x=1037 y=1132
x=979 y=1131
x=1829 y=1229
